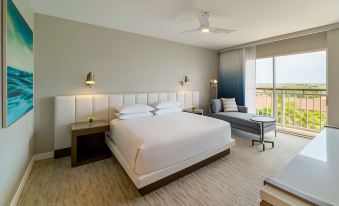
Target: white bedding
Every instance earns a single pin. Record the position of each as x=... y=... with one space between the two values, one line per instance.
x=152 y=143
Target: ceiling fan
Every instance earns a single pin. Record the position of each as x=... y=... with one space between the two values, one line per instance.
x=205 y=24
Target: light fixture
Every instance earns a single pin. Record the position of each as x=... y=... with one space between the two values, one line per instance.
x=184 y=81
x=213 y=82
x=90 y=79
x=205 y=30
x=214 y=85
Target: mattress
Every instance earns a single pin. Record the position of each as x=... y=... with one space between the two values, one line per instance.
x=152 y=143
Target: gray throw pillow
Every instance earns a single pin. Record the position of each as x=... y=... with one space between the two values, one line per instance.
x=216 y=105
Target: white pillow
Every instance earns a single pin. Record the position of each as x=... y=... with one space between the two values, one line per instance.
x=133 y=108
x=166 y=111
x=229 y=105
x=134 y=115
x=164 y=105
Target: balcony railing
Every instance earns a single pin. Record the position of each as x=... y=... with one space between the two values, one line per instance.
x=301 y=109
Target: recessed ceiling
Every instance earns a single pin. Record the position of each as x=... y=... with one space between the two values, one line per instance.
x=166 y=19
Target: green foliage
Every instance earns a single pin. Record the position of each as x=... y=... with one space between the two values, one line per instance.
x=294 y=86
x=296 y=117
x=295 y=114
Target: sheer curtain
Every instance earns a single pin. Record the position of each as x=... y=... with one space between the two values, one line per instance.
x=250 y=78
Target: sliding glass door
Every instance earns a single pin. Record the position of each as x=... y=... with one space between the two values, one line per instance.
x=292 y=88
x=265 y=84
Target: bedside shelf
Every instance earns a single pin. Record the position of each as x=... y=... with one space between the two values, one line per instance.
x=88 y=142
x=194 y=111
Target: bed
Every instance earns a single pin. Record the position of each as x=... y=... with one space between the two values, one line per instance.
x=148 y=171
x=159 y=149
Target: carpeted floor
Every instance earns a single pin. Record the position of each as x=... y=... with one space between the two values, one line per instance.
x=232 y=180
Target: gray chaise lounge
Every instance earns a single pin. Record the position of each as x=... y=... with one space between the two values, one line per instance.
x=239 y=120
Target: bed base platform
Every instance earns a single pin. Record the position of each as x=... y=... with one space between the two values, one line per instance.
x=150 y=182
x=173 y=177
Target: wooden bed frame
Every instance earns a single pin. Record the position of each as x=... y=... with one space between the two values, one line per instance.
x=171 y=178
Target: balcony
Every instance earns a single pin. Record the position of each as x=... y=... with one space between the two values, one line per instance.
x=302 y=111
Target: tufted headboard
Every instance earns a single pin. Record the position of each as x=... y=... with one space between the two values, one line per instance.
x=77 y=108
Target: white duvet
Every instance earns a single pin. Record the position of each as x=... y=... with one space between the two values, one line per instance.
x=156 y=142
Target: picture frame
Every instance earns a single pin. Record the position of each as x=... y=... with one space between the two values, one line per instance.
x=17 y=63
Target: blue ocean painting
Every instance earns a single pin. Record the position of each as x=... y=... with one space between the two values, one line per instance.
x=19 y=61
x=19 y=93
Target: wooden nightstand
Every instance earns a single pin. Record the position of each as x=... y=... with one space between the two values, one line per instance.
x=88 y=142
x=194 y=111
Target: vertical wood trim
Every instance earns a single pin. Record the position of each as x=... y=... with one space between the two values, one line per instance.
x=74 y=148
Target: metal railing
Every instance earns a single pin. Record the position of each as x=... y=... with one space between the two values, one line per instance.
x=304 y=109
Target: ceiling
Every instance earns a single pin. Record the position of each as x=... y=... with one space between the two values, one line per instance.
x=166 y=19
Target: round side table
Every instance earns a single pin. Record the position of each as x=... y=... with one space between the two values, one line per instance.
x=262 y=120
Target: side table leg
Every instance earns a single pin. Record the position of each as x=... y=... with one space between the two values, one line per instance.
x=262 y=135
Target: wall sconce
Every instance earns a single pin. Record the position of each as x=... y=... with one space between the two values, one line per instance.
x=213 y=83
x=184 y=81
x=90 y=79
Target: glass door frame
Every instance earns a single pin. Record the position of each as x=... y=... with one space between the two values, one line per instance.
x=274 y=89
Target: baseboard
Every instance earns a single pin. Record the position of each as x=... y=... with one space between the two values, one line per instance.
x=42 y=156
x=59 y=153
x=22 y=183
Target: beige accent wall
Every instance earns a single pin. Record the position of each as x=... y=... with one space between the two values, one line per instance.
x=121 y=62
x=312 y=42
x=16 y=141
x=333 y=77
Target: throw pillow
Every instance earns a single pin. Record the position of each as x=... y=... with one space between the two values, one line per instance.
x=229 y=105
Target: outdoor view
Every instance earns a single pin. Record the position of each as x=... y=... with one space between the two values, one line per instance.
x=300 y=90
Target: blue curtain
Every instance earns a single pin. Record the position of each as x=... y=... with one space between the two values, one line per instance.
x=231 y=76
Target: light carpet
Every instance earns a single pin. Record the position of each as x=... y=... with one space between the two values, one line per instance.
x=233 y=180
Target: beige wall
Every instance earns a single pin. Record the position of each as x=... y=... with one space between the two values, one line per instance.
x=310 y=42
x=16 y=142
x=333 y=77
x=122 y=62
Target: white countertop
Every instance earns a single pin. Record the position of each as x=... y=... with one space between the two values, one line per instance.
x=315 y=170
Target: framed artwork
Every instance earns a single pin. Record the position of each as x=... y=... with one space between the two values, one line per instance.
x=17 y=64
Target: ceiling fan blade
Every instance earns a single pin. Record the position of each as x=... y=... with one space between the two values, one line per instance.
x=192 y=30
x=218 y=30
x=203 y=18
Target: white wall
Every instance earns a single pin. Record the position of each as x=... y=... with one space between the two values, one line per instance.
x=333 y=77
x=16 y=142
x=16 y=149
x=65 y=51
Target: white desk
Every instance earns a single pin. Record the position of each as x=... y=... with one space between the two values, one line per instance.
x=314 y=172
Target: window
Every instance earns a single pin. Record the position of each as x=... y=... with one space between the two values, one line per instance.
x=293 y=89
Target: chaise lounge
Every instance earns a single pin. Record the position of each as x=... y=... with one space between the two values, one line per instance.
x=240 y=120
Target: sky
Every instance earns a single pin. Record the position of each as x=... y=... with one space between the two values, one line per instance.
x=19 y=40
x=306 y=68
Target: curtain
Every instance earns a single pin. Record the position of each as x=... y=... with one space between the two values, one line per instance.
x=237 y=77
x=231 y=72
x=250 y=78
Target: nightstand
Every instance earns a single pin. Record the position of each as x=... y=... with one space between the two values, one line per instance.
x=194 y=111
x=88 y=142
